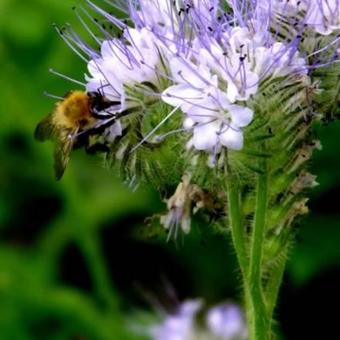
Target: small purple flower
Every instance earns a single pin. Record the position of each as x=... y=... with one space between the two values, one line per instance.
x=227 y=322
x=124 y=63
x=222 y=322
x=180 y=325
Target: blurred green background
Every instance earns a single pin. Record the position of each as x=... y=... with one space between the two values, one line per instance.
x=70 y=265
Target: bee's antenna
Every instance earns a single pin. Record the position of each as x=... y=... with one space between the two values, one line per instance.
x=50 y=95
x=101 y=89
x=66 y=77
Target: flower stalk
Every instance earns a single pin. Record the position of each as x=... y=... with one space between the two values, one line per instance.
x=251 y=264
x=235 y=223
x=258 y=323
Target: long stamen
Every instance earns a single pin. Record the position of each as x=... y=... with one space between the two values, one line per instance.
x=155 y=129
x=325 y=48
x=111 y=18
x=95 y=38
x=76 y=51
x=170 y=133
x=53 y=96
x=66 y=77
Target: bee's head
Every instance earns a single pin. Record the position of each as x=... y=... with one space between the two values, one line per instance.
x=98 y=102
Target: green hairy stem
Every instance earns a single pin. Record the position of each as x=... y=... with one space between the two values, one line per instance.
x=265 y=187
x=236 y=225
x=258 y=318
x=257 y=312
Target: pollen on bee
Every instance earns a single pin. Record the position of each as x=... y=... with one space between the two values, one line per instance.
x=74 y=111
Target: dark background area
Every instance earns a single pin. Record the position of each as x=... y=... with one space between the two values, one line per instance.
x=71 y=250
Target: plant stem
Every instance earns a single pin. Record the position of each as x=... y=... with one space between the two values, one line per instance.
x=89 y=244
x=258 y=321
x=235 y=221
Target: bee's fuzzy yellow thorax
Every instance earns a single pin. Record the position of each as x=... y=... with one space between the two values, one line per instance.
x=74 y=111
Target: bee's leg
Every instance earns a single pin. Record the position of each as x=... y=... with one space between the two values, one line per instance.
x=102 y=114
x=81 y=140
x=97 y=148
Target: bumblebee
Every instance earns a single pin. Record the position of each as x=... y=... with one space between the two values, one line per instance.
x=76 y=117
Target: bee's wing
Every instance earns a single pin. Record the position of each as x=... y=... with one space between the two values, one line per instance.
x=45 y=129
x=63 y=147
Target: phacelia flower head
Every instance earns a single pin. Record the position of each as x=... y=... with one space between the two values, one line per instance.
x=207 y=63
x=197 y=69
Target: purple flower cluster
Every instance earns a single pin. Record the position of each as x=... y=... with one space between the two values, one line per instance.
x=205 y=59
